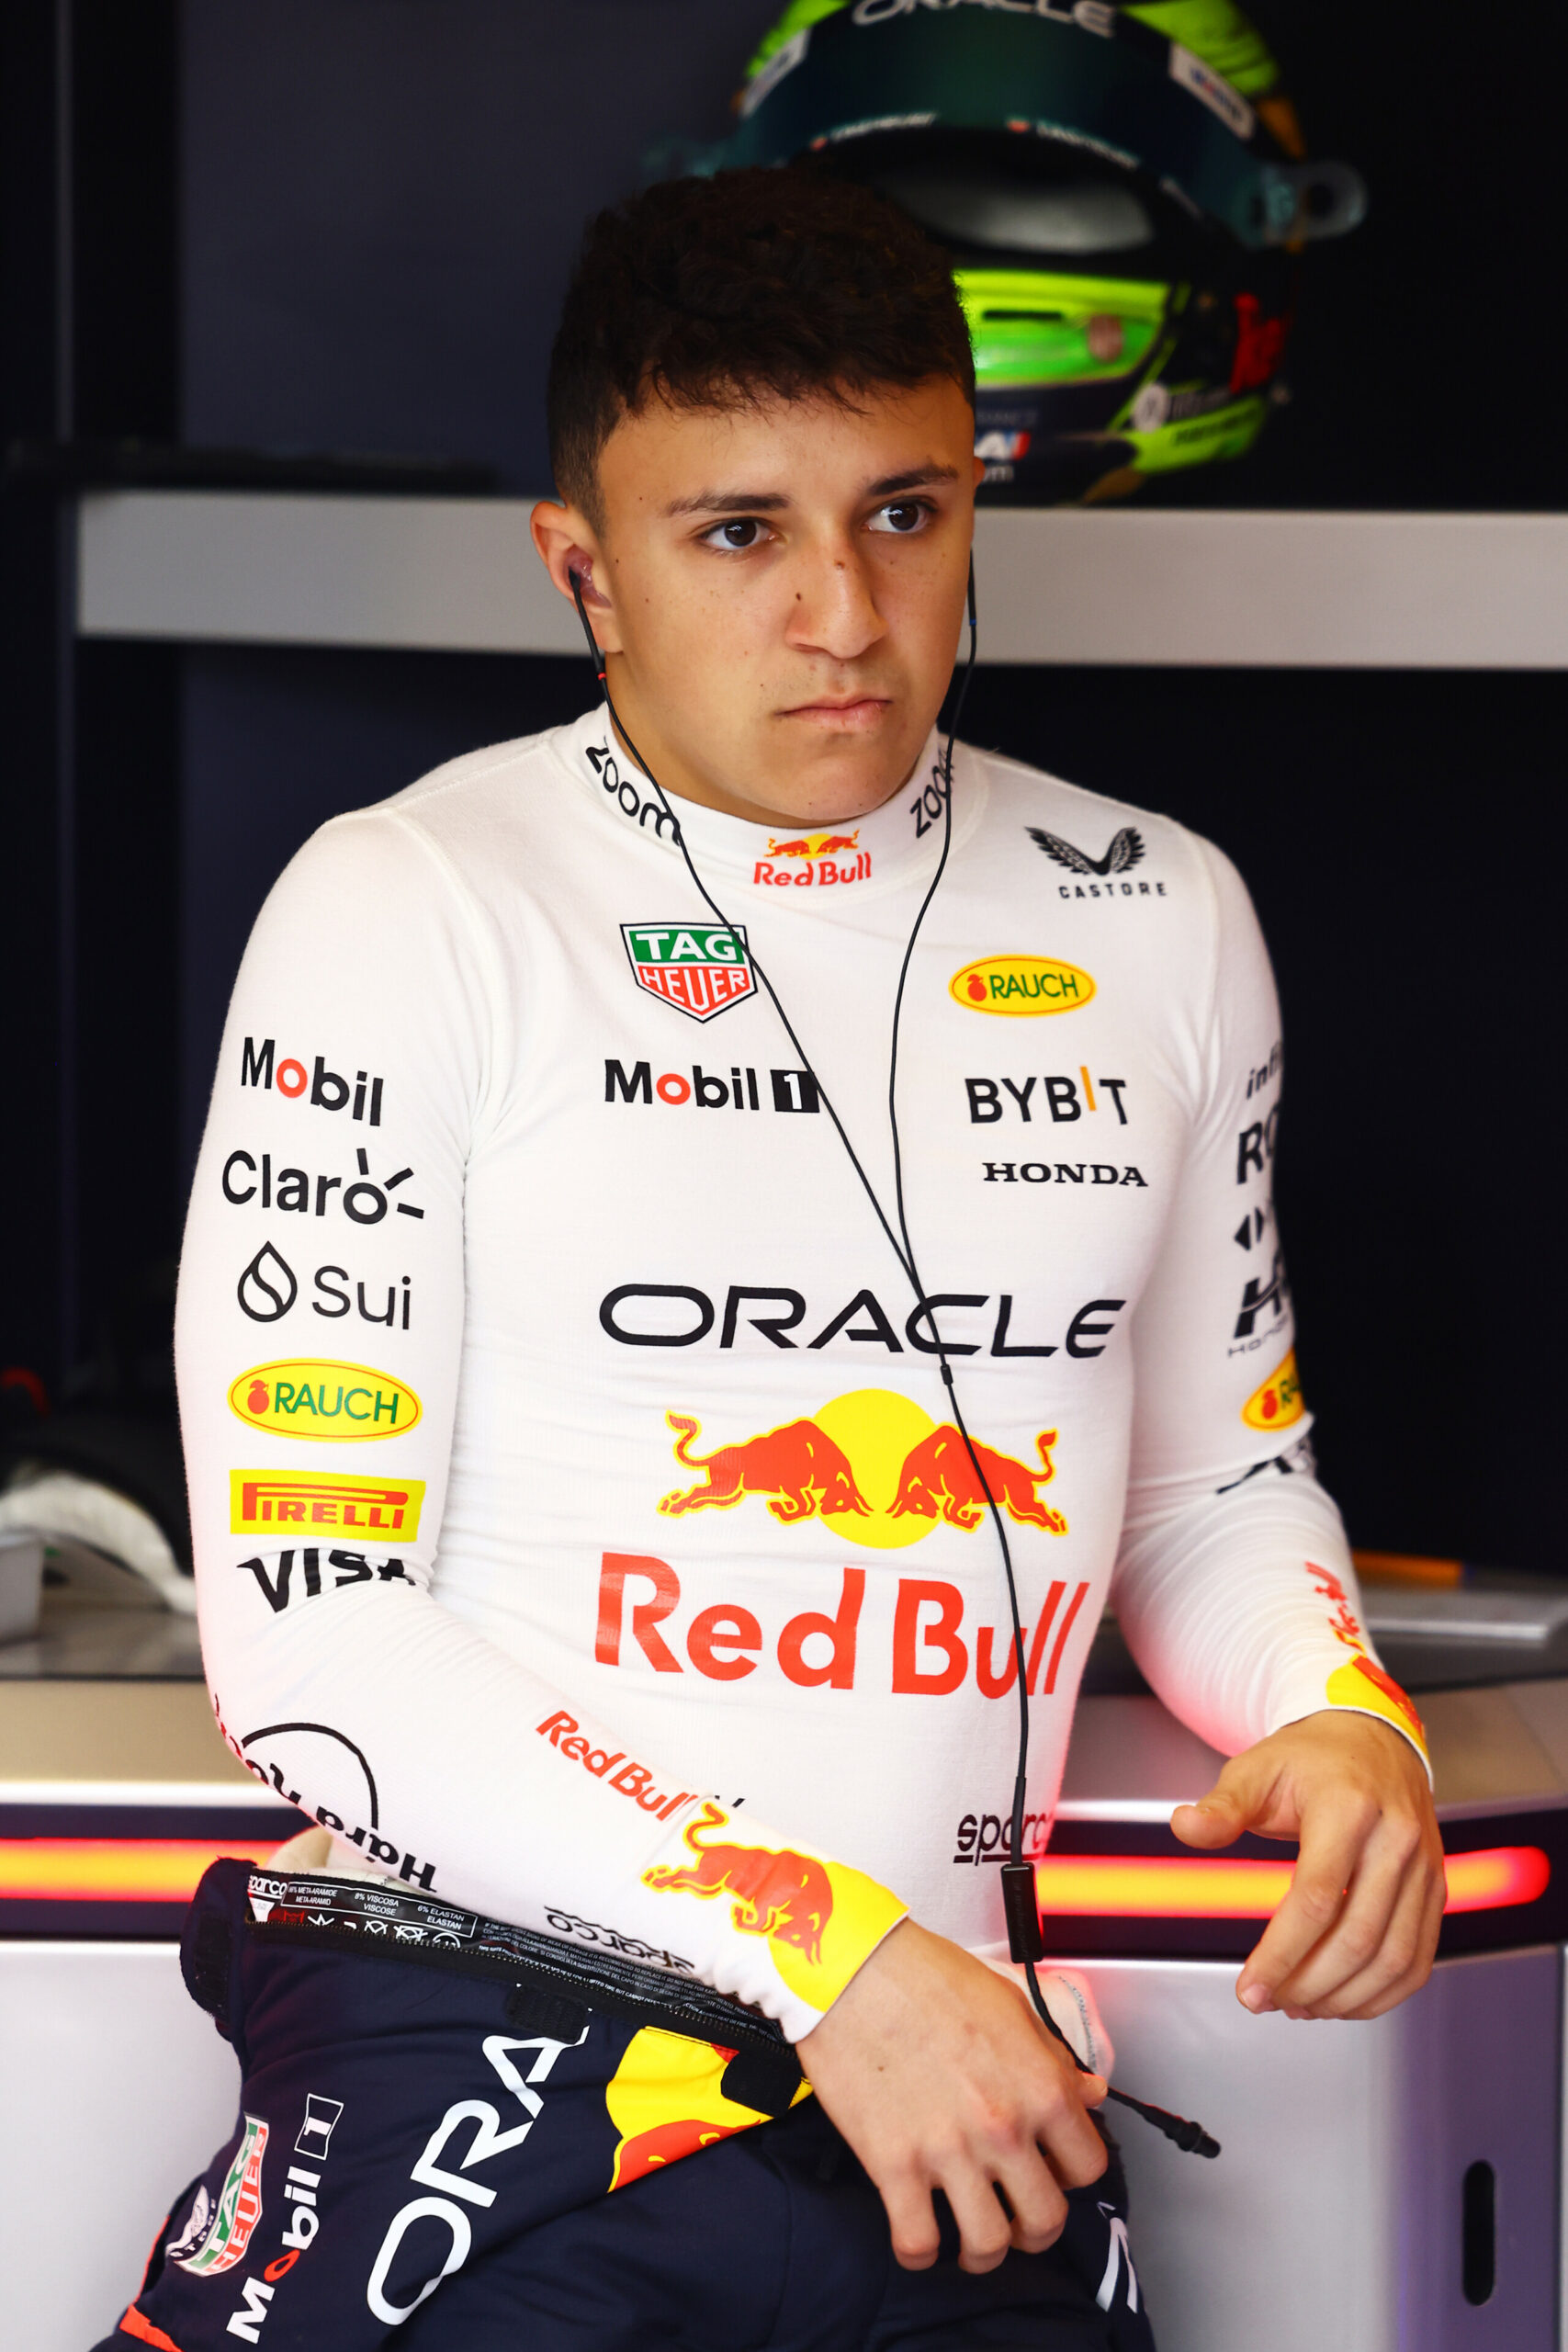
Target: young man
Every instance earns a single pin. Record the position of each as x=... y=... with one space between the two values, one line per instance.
x=632 y=1625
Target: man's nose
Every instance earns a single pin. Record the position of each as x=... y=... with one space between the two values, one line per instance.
x=834 y=609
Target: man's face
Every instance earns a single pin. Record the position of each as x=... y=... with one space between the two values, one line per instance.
x=786 y=588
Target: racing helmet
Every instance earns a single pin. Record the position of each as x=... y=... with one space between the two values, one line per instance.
x=1123 y=191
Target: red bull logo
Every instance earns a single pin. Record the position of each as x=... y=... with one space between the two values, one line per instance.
x=1362 y=1683
x=873 y=1462
x=936 y=1645
x=1346 y=1624
x=818 y=860
x=791 y=1898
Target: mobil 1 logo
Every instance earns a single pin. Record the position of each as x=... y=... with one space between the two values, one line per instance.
x=786 y=1089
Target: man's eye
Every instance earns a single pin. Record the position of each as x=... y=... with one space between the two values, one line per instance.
x=745 y=532
x=905 y=515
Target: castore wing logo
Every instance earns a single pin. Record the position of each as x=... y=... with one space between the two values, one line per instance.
x=1126 y=849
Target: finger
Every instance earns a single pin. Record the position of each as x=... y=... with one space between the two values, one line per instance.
x=1066 y=2137
x=985 y=2232
x=911 y=2220
x=1038 y=2207
x=1361 y=2004
x=1215 y=1820
x=1327 y=1864
x=1375 y=1937
x=1222 y=1815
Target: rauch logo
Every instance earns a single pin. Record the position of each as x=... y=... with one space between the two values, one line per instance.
x=313 y=1399
x=1279 y=1401
x=1021 y=986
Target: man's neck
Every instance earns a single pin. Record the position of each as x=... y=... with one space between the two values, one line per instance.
x=675 y=780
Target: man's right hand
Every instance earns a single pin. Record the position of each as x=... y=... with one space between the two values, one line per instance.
x=940 y=2077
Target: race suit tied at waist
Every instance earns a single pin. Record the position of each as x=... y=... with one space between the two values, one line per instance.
x=559 y=1985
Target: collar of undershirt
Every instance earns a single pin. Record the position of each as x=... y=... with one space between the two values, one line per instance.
x=838 y=864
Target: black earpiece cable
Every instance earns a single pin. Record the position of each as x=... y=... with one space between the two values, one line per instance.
x=1026 y=1943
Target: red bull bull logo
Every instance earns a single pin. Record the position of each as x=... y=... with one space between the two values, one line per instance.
x=666 y=2100
x=798 y=1467
x=778 y=1892
x=789 y=1898
x=943 y=1477
x=874 y=1464
x=814 y=845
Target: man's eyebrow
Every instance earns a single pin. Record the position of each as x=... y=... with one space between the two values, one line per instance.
x=729 y=502
x=916 y=478
x=773 y=501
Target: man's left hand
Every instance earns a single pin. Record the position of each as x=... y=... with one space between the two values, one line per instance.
x=1357 y=1933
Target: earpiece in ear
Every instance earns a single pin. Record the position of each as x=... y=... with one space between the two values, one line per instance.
x=580 y=567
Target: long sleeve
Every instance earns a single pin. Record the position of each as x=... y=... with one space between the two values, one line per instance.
x=319 y=1346
x=1234 y=1582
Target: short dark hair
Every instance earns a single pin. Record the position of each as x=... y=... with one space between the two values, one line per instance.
x=743 y=287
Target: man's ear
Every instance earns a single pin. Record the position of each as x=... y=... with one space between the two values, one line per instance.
x=569 y=546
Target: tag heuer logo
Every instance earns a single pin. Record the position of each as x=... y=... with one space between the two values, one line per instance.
x=699 y=968
x=238 y=2210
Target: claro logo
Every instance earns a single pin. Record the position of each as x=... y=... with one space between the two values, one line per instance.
x=314 y=1399
x=1021 y=986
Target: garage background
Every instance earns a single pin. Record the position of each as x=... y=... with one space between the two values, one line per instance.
x=307 y=227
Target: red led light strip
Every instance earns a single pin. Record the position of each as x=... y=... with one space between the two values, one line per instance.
x=112 y=1870
x=1133 y=1886
x=1109 y=1886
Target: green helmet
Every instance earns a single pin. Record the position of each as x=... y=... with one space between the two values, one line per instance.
x=1124 y=193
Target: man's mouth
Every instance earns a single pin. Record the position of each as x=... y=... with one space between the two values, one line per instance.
x=842 y=713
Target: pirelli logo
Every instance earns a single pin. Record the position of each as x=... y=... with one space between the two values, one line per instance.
x=260 y=1500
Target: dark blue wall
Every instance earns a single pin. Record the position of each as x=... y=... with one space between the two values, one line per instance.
x=382 y=198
